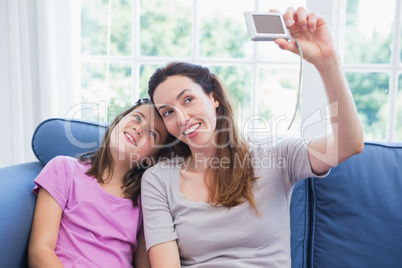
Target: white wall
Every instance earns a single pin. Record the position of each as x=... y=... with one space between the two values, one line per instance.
x=39 y=70
x=6 y=133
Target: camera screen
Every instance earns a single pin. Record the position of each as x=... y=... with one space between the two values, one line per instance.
x=267 y=24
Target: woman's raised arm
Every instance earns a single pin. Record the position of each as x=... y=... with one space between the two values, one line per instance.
x=346 y=138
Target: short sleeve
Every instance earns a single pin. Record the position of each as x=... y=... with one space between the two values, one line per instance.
x=55 y=178
x=158 y=220
x=294 y=151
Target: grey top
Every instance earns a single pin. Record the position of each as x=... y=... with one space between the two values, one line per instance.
x=215 y=236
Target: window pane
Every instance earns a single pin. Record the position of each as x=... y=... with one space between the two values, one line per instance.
x=120 y=89
x=145 y=73
x=120 y=32
x=237 y=80
x=277 y=97
x=105 y=93
x=368 y=31
x=370 y=91
x=166 y=28
x=398 y=132
x=94 y=26
x=223 y=32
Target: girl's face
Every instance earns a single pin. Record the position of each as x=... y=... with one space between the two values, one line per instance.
x=188 y=112
x=138 y=135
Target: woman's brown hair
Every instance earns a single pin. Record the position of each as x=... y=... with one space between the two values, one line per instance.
x=232 y=185
x=102 y=161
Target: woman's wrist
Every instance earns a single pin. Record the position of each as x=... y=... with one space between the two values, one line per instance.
x=328 y=63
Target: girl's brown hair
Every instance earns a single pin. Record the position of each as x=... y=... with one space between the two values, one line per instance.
x=232 y=185
x=102 y=161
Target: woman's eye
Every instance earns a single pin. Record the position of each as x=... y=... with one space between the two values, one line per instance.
x=189 y=99
x=167 y=113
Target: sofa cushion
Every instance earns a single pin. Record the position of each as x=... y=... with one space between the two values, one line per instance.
x=356 y=212
x=70 y=137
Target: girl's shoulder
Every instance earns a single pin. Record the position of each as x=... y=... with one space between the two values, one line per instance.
x=67 y=162
x=62 y=160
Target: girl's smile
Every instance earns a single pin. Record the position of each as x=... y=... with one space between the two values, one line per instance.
x=130 y=138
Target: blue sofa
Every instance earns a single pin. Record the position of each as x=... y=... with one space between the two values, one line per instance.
x=352 y=218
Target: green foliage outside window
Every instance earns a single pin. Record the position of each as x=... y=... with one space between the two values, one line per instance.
x=221 y=37
x=370 y=89
x=165 y=29
x=94 y=27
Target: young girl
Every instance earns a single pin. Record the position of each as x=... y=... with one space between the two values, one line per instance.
x=88 y=211
x=227 y=203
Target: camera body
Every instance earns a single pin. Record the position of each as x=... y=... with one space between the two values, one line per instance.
x=266 y=26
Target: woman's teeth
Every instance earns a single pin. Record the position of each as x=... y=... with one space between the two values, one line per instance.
x=191 y=129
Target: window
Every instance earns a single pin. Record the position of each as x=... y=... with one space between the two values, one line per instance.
x=371 y=52
x=123 y=42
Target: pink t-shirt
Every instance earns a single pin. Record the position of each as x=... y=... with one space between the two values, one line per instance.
x=97 y=229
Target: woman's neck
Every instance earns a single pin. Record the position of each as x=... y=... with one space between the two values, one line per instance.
x=200 y=160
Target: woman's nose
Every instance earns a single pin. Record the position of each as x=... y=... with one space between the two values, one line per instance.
x=182 y=118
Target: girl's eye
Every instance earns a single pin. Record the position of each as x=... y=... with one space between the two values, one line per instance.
x=137 y=117
x=153 y=134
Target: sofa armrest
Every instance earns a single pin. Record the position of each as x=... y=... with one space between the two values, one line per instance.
x=16 y=211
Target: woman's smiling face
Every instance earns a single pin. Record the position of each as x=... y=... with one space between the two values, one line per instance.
x=187 y=111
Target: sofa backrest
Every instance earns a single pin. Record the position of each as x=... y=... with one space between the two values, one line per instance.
x=71 y=137
x=353 y=217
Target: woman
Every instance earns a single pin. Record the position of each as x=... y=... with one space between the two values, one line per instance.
x=88 y=212
x=226 y=204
